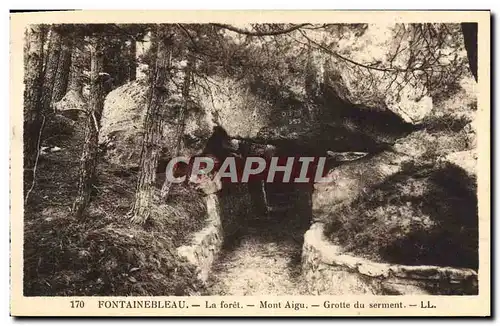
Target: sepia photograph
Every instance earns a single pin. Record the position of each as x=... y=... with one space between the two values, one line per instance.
x=255 y=159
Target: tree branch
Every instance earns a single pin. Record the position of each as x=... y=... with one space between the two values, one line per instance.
x=335 y=54
x=188 y=34
x=122 y=30
x=246 y=32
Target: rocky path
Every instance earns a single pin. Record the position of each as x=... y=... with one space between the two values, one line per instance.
x=264 y=260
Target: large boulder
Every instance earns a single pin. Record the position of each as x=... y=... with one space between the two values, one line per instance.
x=251 y=110
x=244 y=114
x=397 y=67
x=350 y=181
x=240 y=112
x=430 y=213
x=73 y=104
x=123 y=125
x=467 y=160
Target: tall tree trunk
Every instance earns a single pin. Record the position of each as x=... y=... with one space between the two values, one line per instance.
x=33 y=80
x=70 y=75
x=63 y=69
x=167 y=184
x=114 y=62
x=75 y=82
x=132 y=60
x=88 y=160
x=469 y=31
x=52 y=64
x=153 y=125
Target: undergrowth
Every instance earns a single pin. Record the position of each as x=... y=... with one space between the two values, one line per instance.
x=103 y=253
x=424 y=215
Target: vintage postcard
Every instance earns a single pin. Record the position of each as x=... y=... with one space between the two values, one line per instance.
x=250 y=163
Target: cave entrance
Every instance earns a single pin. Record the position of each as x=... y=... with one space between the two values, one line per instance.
x=282 y=203
x=264 y=254
x=286 y=204
x=259 y=204
x=263 y=225
x=279 y=197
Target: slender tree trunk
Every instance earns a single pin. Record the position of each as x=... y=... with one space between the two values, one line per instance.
x=167 y=184
x=88 y=160
x=51 y=68
x=63 y=70
x=153 y=125
x=33 y=80
x=132 y=60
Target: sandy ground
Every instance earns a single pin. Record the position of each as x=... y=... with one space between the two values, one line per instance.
x=264 y=260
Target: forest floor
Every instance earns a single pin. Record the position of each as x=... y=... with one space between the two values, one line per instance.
x=262 y=260
x=103 y=253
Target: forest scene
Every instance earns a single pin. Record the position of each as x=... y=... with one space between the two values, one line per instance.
x=392 y=108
